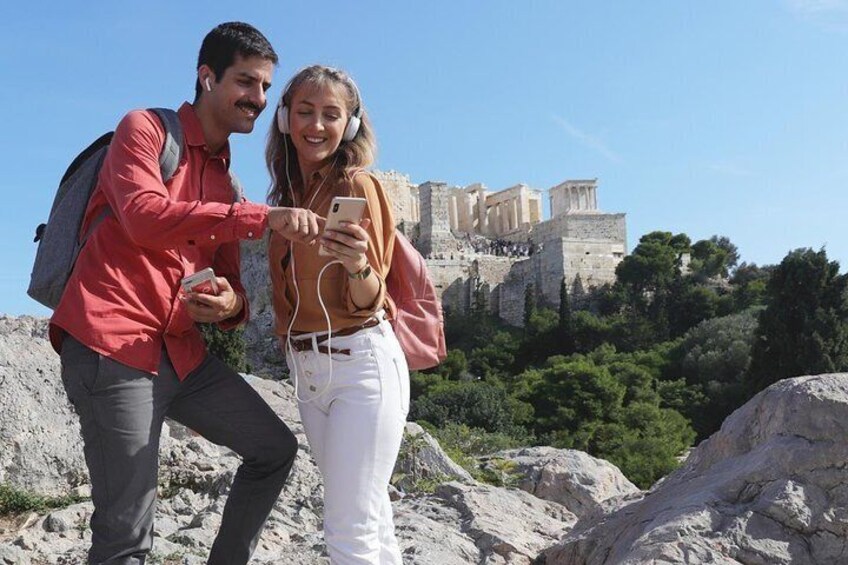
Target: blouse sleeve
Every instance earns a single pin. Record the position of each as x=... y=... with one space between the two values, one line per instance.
x=381 y=240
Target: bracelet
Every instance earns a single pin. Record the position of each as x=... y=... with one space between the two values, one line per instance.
x=364 y=273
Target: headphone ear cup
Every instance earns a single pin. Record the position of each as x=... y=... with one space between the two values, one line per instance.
x=351 y=129
x=283 y=119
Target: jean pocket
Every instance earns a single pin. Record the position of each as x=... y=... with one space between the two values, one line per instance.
x=403 y=385
x=80 y=368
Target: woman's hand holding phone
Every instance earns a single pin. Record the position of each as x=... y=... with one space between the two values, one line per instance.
x=348 y=244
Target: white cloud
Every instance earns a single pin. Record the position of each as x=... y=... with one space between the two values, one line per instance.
x=587 y=140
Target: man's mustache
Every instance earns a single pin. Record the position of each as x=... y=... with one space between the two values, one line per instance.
x=250 y=106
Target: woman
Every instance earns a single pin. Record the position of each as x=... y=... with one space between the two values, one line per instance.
x=350 y=373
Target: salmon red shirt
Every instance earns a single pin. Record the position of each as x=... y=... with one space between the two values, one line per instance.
x=122 y=300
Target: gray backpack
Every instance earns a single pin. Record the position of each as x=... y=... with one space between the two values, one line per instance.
x=59 y=241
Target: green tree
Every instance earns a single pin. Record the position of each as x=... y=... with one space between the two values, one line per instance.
x=749 y=285
x=731 y=250
x=692 y=304
x=574 y=393
x=649 y=274
x=645 y=443
x=565 y=326
x=529 y=305
x=475 y=404
x=713 y=257
x=228 y=346
x=455 y=365
x=804 y=328
x=713 y=358
x=495 y=360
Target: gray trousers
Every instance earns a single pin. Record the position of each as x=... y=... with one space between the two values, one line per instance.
x=121 y=411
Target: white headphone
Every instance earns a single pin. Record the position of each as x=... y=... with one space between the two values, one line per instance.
x=353 y=121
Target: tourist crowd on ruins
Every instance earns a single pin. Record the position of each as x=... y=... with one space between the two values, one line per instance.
x=501 y=247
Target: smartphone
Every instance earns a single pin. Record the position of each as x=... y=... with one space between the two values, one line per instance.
x=202 y=282
x=343 y=209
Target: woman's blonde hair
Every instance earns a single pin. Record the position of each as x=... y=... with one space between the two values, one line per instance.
x=354 y=154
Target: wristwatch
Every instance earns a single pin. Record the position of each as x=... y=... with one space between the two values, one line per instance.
x=362 y=274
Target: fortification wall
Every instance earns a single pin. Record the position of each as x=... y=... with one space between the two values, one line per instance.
x=544 y=270
x=452 y=281
x=595 y=261
x=611 y=227
x=402 y=194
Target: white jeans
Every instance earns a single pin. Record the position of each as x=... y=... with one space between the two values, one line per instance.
x=354 y=423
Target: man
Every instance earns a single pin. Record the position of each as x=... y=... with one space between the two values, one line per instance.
x=131 y=353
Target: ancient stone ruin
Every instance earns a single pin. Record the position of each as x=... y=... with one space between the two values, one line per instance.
x=497 y=243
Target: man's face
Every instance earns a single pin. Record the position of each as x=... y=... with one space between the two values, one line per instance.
x=237 y=99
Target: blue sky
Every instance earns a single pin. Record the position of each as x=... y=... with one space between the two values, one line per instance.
x=720 y=117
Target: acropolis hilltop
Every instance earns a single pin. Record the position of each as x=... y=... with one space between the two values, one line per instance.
x=497 y=241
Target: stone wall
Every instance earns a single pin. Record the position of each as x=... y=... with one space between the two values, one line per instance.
x=544 y=270
x=452 y=279
x=435 y=237
x=594 y=260
x=597 y=226
x=402 y=194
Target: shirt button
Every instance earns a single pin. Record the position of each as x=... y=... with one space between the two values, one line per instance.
x=250 y=234
x=212 y=236
x=312 y=388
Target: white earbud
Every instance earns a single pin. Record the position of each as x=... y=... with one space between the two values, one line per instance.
x=208 y=86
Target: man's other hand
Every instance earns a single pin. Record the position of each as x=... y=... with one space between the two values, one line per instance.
x=211 y=308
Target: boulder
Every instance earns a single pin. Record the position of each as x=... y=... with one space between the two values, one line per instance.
x=422 y=458
x=575 y=479
x=40 y=449
x=768 y=487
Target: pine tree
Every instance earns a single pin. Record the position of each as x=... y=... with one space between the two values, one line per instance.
x=529 y=305
x=566 y=328
x=804 y=328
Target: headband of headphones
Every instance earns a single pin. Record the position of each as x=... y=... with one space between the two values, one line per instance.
x=353 y=122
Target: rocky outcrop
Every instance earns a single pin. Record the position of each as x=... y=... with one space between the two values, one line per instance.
x=40 y=450
x=421 y=458
x=39 y=445
x=263 y=354
x=769 y=487
x=575 y=479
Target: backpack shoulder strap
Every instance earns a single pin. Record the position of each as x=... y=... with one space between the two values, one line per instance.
x=172 y=149
x=169 y=158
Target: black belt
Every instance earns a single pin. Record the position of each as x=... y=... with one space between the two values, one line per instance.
x=305 y=344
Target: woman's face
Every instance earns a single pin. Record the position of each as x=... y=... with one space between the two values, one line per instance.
x=317 y=119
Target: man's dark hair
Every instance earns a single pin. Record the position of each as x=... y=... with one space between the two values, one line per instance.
x=222 y=44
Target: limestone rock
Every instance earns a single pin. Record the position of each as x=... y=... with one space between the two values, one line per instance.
x=506 y=522
x=573 y=478
x=459 y=523
x=421 y=457
x=39 y=432
x=769 y=487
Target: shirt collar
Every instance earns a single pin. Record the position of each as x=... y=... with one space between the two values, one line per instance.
x=320 y=174
x=193 y=131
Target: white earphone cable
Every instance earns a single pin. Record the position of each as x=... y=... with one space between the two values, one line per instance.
x=289 y=348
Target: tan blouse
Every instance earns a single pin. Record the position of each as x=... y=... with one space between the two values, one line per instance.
x=335 y=282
